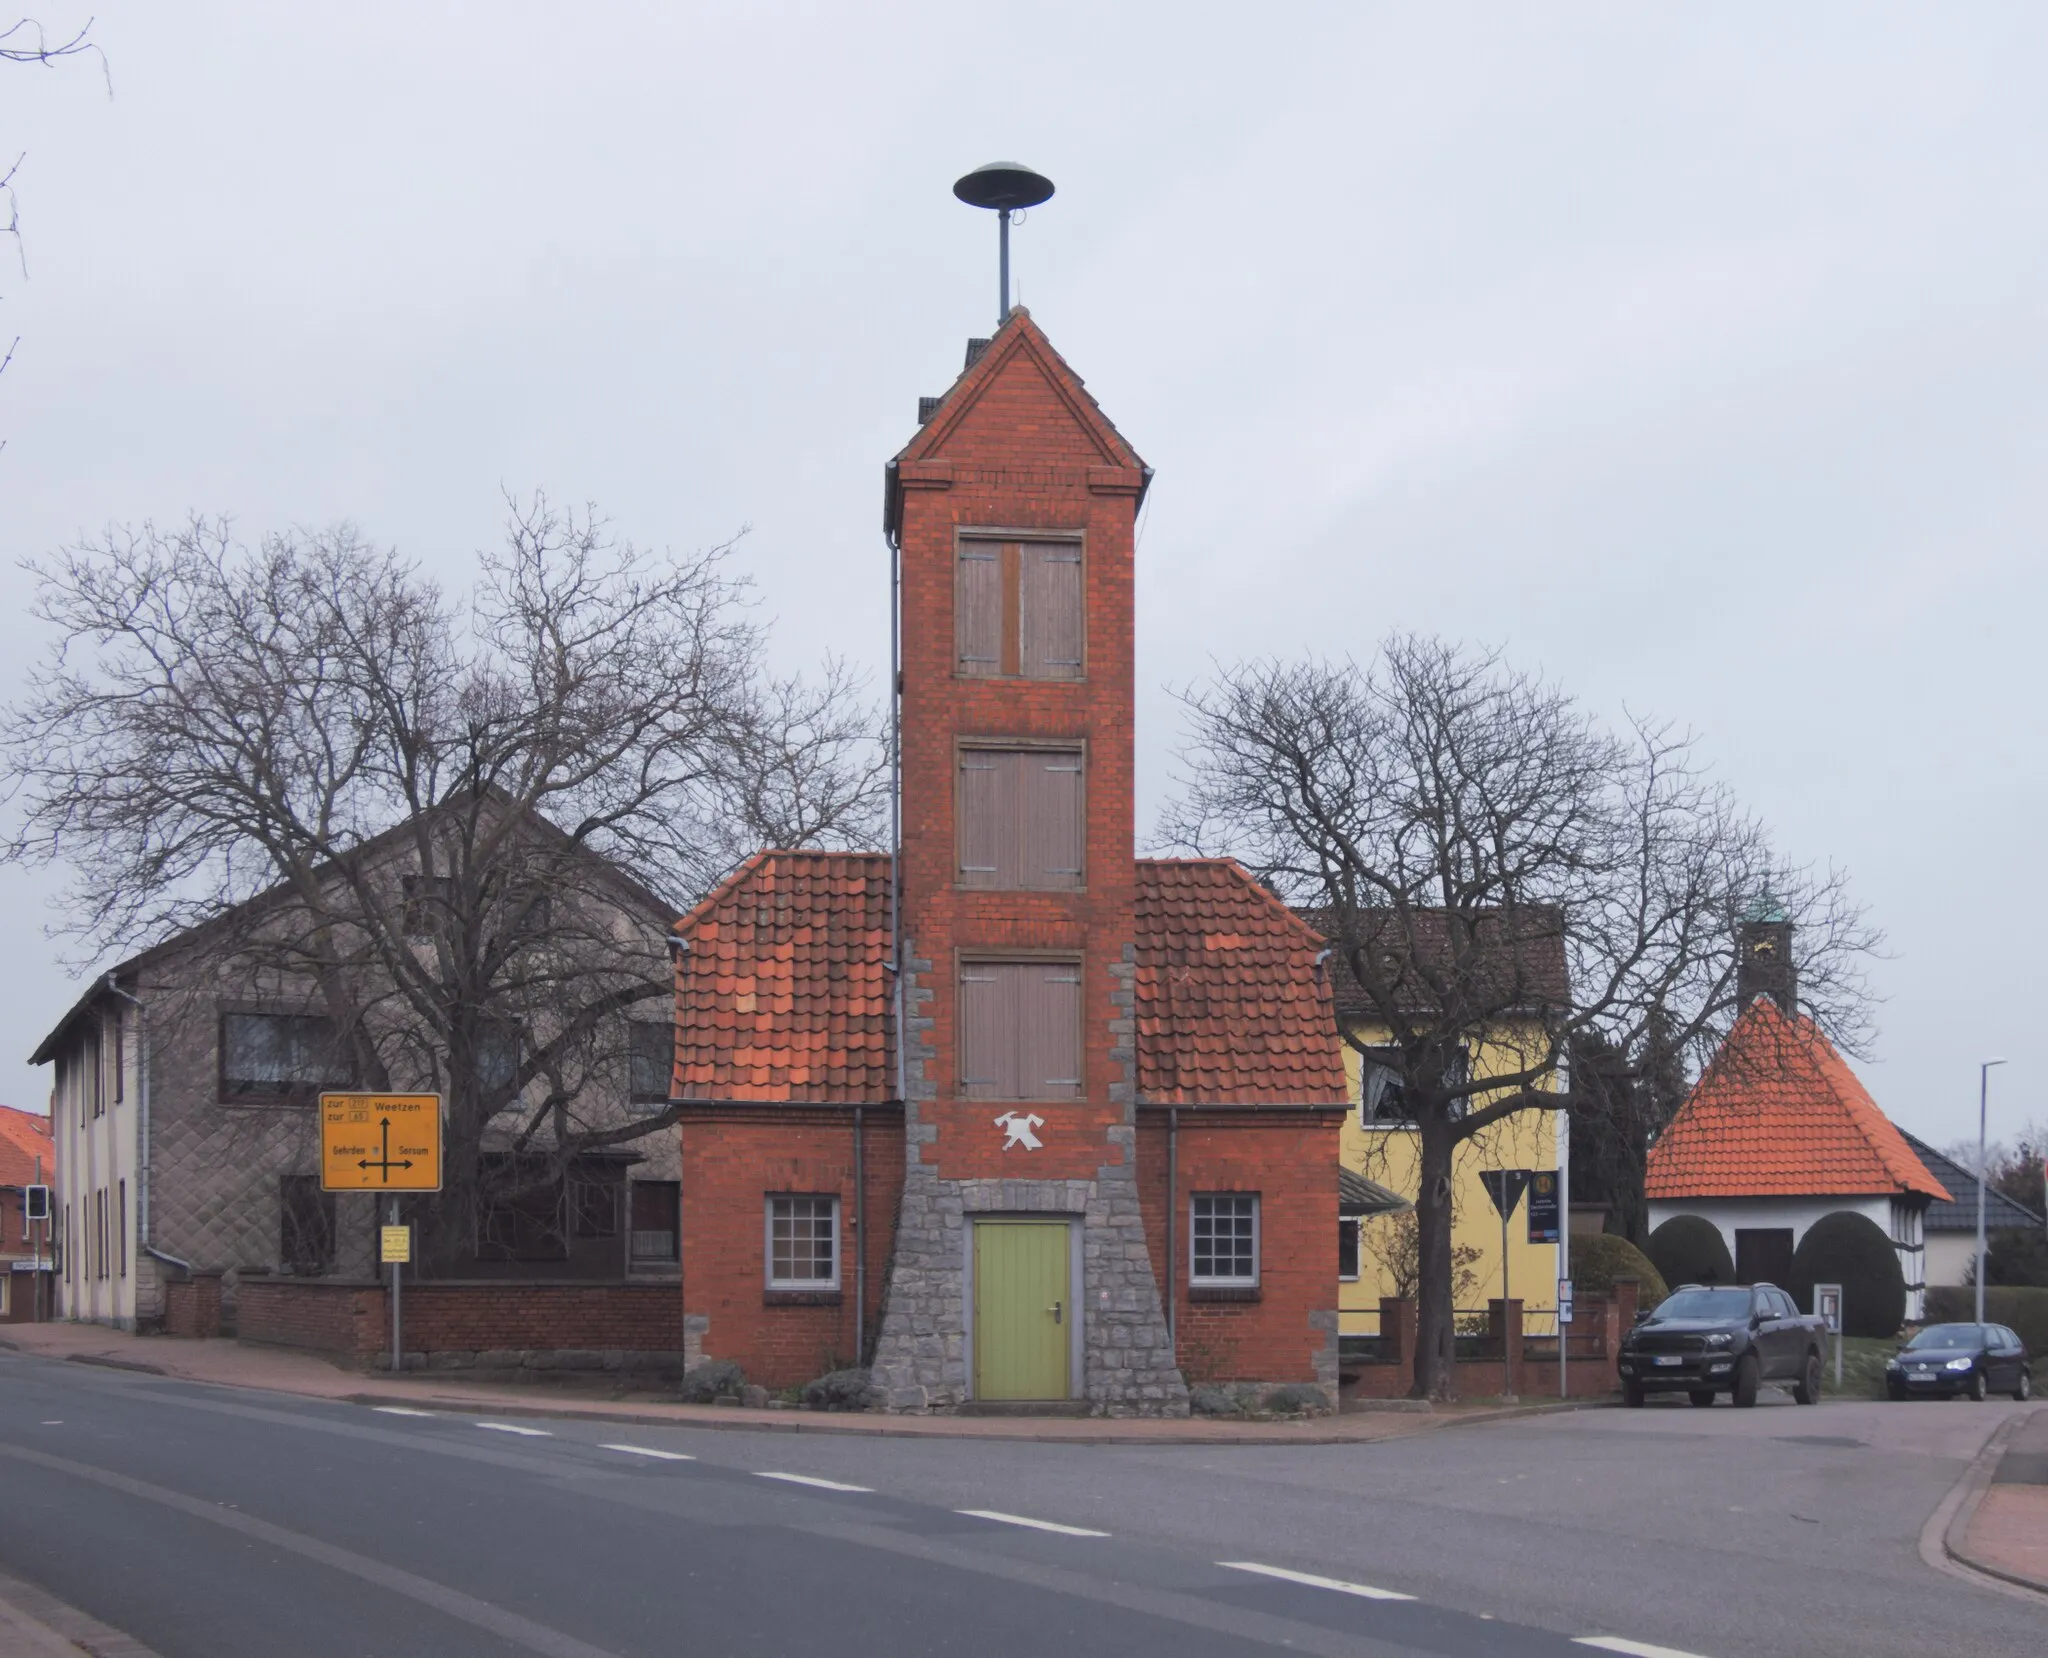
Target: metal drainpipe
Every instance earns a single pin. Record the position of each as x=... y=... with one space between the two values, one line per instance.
x=1172 y=1229
x=142 y=1243
x=860 y=1246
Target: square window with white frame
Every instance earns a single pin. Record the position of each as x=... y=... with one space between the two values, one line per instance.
x=803 y=1242
x=1223 y=1239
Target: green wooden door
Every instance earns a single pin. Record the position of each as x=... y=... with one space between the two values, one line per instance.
x=1022 y=1310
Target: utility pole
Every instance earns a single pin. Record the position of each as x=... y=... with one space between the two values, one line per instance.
x=1983 y=1114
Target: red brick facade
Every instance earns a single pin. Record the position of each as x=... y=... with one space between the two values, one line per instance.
x=1205 y=1038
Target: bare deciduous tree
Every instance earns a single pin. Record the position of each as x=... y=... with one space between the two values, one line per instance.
x=1463 y=831
x=452 y=817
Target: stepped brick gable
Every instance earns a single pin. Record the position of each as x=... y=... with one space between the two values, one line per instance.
x=1111 y=1116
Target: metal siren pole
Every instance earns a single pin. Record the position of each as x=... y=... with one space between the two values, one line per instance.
x=1005 y=187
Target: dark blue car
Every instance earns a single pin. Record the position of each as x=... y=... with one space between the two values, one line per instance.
x=1944 y=1360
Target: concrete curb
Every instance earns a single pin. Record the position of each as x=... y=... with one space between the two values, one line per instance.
x=858 y=1426
x=1976 y=1480
x=1410 y=1419
x=42 y=1623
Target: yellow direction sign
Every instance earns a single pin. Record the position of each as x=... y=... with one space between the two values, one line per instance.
x=380 y=1142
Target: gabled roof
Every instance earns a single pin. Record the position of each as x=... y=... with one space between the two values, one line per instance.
x=25 y=1136
x=1960 y=1215
x=784 y=997
x=1001 y=392
x=1357 y=1195
x=783 y=993
x=631 y=891
x=1520 y=958
x=1778 y=1113
x=1232 y=1008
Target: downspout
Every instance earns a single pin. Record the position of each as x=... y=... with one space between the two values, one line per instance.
x=678 y=946
x=860 y=1246
x=142 y=1147
x=1172 y=1230
x=895 y=962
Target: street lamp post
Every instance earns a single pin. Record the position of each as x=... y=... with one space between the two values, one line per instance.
x=1983 y=1111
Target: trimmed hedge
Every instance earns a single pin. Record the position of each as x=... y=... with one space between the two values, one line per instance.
x=1851 y=1250
x=1597 y=1261
x=1689 y=1249
x=2023 y=1311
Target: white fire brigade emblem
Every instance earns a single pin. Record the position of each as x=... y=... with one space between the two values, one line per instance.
x=1019 y=1128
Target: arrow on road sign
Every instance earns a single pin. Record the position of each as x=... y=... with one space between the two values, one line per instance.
x=385 y=1162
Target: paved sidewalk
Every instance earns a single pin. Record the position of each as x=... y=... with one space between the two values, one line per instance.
x=2008 y=1533
x=227 y=1363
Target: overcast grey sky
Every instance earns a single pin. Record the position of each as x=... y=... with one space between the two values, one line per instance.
x=1697 y=355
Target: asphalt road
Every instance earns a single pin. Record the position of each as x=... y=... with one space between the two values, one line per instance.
x=217 y=1524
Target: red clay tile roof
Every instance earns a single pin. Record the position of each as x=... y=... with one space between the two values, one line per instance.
x=783 y=995
x=1778 y=1113
x=1231 y=1009
x=1519 y=959
x=24 y=1137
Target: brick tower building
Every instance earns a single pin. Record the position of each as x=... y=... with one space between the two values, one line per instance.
x=1101 y=1162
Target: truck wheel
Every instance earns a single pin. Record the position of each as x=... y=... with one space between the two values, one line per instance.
x=1632 y=1394
x=1746 y=1379
x=1980 y=1390
x=1701 y=1396
x=1806 y=1390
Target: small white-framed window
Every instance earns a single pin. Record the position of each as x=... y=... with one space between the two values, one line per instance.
x=803 y=1242
x=1223 y=1238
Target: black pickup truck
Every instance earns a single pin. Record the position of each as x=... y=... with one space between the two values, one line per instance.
x=1702 y=1341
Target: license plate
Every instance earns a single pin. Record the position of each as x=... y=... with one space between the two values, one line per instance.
x=1668 y=1358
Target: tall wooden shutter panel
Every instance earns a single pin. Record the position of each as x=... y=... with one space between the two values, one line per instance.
x=983 y=1051
x=1051 y=640
x=1052 y=819
x=1050 y=1031
x=978 y=609
x=987 y=809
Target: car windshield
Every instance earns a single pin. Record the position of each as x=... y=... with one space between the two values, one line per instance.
x=1705 y=1304
x=1949 y=1335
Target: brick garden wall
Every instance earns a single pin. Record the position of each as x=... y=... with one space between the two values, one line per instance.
x=732 y=1160
x=489 y=1326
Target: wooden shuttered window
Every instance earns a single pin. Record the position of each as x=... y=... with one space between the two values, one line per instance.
x=1020 y=1030
x=1019 y=608
x=978 y=608
x=1022 y=818
x=1049 y=590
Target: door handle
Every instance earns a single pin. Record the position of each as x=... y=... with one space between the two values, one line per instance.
x=1054 y=1309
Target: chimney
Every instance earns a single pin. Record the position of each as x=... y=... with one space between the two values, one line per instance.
x=1764 y=964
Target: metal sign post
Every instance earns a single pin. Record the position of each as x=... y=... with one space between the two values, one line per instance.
x=383 y=1143
x=1827 y=1307
x=1505 y=1187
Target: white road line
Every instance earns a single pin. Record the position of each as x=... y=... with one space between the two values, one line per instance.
x=649 y=1451
x=1026 y=1520
x=808 y=1479
x=1364 y=1590
x=513 y=1427
x=400 y=1410
x=1634 y=1649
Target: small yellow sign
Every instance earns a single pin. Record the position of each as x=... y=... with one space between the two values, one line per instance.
x=380 y=1142
x=396 y=1243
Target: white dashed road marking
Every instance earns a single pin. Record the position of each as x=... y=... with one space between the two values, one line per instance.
x=648 y=1451
x=399 y=1410
x=1634 y=1649
x=1026 y=1520
x=807 y=1479
x=513 y=1427
x=1365 y=1590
